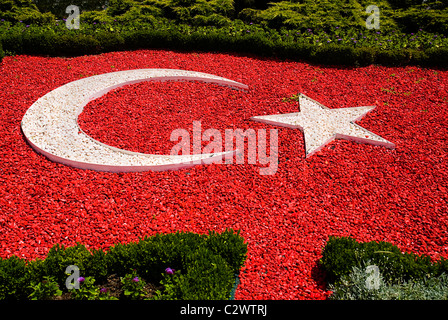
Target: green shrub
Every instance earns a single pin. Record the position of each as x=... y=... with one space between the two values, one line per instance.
x=229 y=247
x=108 y=41
x=59 y=258
x=133 y=286
x=338 y=37
x=435 y=57
x=45 y=289
x=25 y=11
x=87 y=289
x=364 y=56
x=340 y=255
x=433 y=20
x=2 y=53
x=208 y=275
x=393 y=57
x=73 y=44
x=206 y=267
x=334 y=54
x=353 y=287
x=13 y=278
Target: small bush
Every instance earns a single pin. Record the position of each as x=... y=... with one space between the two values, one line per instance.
x=334 y=54
x=206 y=267
x=340 y=255
x=24 y=11
x=45 y=289
x=435 y=57
x=353 y=287
x=364 y=56
x=400 y=275
x=13 y=278
x=2 y=53
x=393 y=57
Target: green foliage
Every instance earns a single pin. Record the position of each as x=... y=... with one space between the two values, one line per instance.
x=24 y=11
x=431 y=20
x=45 y=289
x=207 y=263
x=13 y=278
x=208 y=275
x=59 y=258
x=58 y=7
x=87 y=289
x=328 y=32
x=133 y=286
x=340 y=255
x=229 y=247
x=353 y=287
x=334 y=54
x=2 y=53
x=118 y=7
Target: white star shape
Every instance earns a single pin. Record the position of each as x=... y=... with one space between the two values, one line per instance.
x=320 y=125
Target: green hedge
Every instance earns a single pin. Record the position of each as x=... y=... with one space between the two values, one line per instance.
x=341 y=254
x=74 y=44
x=2 y=53
x=206 y=265
x=273 y=29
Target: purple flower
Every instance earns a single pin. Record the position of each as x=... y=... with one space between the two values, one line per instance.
x=103 y=290
x=2 y=20
x=136 y=279
x=27 y=26
x=81 y=279
x=169 y=271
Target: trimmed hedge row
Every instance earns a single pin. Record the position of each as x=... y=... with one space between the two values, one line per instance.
x=341 y=254
x=206 y=265
x=2 y=53
x=74 y=44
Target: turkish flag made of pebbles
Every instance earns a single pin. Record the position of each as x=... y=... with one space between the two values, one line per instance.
x=367 y=191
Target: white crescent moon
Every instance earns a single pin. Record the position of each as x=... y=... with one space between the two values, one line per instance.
x=51 y=127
